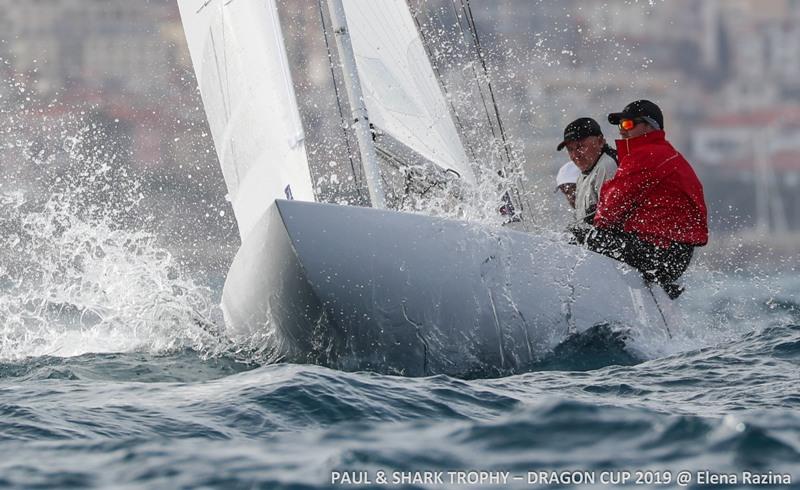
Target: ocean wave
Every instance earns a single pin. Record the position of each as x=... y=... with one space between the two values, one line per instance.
x=553 y=433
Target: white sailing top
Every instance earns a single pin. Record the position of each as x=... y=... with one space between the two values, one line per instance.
x=587 y=189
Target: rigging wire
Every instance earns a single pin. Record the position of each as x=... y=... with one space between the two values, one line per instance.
x=478 y=85
x=438 y=76
x=475 y=48
x=470 y=19
x=356 y=175
x=474 y=71
x=409 y=177
x=465 y=5
x=490 y=120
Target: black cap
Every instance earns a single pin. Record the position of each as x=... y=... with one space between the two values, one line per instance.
x=639 y=108
x=579 y=129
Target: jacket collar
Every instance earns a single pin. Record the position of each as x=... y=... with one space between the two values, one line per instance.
x=627 y=146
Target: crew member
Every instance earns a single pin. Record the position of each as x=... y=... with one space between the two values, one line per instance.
x=596 y=161
x=565 y=181
x=652 y=214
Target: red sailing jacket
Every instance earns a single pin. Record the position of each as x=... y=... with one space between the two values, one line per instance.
x=655 y=194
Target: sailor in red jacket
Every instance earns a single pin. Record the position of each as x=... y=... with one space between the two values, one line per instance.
x=652 y=214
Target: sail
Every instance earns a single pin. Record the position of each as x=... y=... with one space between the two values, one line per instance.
x=401 y=91
x=240 y=60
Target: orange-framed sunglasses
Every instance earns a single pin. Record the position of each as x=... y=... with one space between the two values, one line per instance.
x=628 y=124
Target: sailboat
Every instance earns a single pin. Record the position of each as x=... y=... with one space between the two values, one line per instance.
x=371 y=288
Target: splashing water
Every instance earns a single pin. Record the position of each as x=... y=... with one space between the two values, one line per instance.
x=72 y=286
x=79 y=270
x=75 y=280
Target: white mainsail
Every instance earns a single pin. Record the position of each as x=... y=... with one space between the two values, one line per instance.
x=402 y=94
x=239 y=57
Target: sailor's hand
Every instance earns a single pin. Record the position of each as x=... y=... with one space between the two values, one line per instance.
x=579 y=231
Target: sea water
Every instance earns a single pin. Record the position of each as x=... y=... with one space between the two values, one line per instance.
x=113 y=373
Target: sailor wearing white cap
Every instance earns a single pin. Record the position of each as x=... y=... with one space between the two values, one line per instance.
x=566 y=179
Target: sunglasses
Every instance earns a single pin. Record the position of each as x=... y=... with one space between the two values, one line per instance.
x=628 y=124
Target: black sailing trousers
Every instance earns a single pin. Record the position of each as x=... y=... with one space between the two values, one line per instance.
x=661 y=265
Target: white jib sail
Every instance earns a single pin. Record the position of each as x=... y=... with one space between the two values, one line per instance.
x=239 y=58
x=402 y=94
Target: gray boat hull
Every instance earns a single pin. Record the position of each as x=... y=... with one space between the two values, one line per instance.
x=362 y=289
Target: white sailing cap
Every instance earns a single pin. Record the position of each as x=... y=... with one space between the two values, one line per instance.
x=567 y=174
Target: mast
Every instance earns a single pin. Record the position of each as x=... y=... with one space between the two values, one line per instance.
x=358 y=107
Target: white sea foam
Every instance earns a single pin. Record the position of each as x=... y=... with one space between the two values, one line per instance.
x=74 y=285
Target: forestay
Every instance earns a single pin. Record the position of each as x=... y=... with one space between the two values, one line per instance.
x=239 y=56
x=402 y=94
